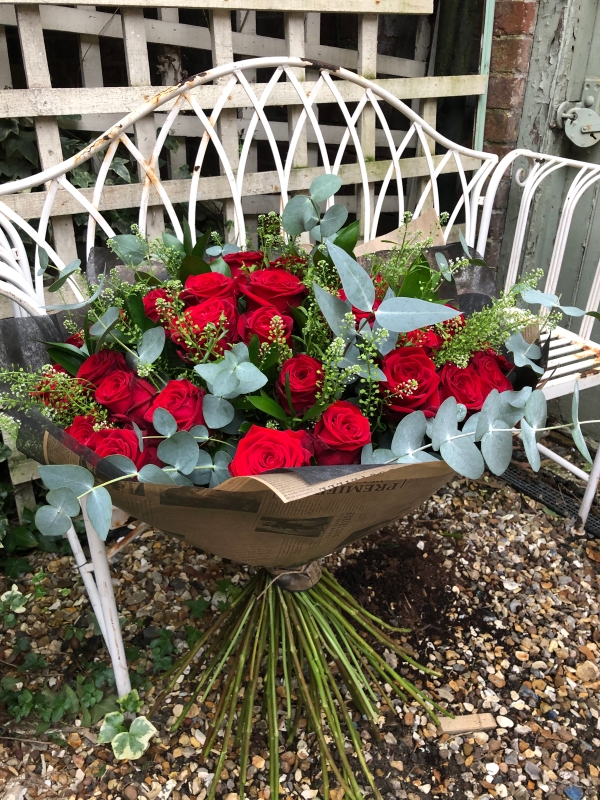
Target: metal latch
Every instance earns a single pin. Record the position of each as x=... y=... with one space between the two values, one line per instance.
x=581 y=121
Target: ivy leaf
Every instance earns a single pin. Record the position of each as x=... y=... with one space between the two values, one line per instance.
x=133 y=743
x=497 y=447
x=530 y=445
x=180 y=451
x=65 y=274
x=404 y=314
x=357 y=284
x=409 y=434
x=79 y=479
x=111 y=726
x=64 y=500
x=580 y=442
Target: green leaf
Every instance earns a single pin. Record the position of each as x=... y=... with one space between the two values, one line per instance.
x=594 y=314
x=535 y=296
x=99 y=511
x=79 y=479
x=130 y=703
x=497 y=447
x=67 y=355
x=324 y=187
x=404 y=314
x=164 y=422
x=530 y=445
x=357 y=284
x=580 y=442
x=173 y=242
x=415 y=283
x=463 y=456
x=192 y=265
x=250 y=378
x=269 y=406
x=153 y=474
x=409 y=434
x=187 y=237
x=221 y=266
x=148 y=278
x=201 y=243
x=64 y=500
x=332 y=308
x=332 y=220
x=299 y=215
x=130 y=249
x=217 y=411
x=314 y=411
x=197 y=607
x=52 y=522
x=348 y=237
x=151 y=345
x=536 y=410
x=125 y=464
x=65 y=274
x=444 y=424
x=180 y=451
x=134 y=306
x=126 y=746
x=254 y=350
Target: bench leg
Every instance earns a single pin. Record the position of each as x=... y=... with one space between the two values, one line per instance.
x=102 y=597
x=590 y=492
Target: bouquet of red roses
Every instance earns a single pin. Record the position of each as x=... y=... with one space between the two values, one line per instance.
x=226 y=363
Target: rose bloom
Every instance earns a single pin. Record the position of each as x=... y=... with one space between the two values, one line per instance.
x=76 y=339
x=126 y=396
x=360 y=315
x=199 y=316
x=247 y=258
x=97 y=366
x=263 y=449
x=206 y=286
x=82 y=429
x=48 y=389
x=463 y=384
x=305 y=377
x=412 y=381
x=428 y=339
x=488 y=367
x=286 y=261
x=181 y=399
x=259 y=323
x=150 y=308
x=118 y=442
x=340 y=434
x=273 y=287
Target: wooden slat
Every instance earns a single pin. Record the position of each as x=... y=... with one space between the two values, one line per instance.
x=367 y=67
x=46 y=129
x=5 y=74
x=245 y=43
x=467 y=722
x=89 y=52
x=123 y=99
x=331 y=6
x=29 y=205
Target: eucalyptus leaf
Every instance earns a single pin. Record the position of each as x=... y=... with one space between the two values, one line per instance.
x=463 y=456
x=64 y=500
x=332 y=220
x=366 y=454
x=530 y=445
x=461 y=412
x=214 y=250
x=125 y=464
x=511 y=406
x=535 y=296
x=250 y=378
x=180 y=451
x=107 y=321
x=464 y=244
x=99 y=510
x=497 y=447
x=572 y=311
x=419 y=457
x=357 y=284
x=444 y=425
x=524 y=352
x=333 y=309
x=490 y=411
x=404 y=314
x=470 y=425
x=151 y=345
x=69 y=476
x=443 y=265
x=225 y=383
x=130 y=249
x=200 y=433
x=181 y=480
x=221 y=266
x=217 y=411
x=52 y=522
x=536 y=410
x=298 y=212
x=73 y=306
x=409 y=434
x=139 y=434
x=153 y=474
x=43 y=259
x=580 y=442
x=65 y=274
x=164 y=422
x=383 y=456
x=324 y=187
x=202 y=473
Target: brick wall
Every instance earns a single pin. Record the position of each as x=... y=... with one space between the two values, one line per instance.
x=514 y=24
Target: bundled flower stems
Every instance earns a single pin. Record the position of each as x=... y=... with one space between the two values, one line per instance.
x=298 y=401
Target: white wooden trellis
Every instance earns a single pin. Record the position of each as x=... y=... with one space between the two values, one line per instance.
x=100 y=107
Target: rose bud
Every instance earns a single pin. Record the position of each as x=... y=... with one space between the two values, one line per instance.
x=340 y=434
x=82 y=429
x=412 y=382
x=305 y=376
x=208 y=286
x=258 y=323
x=464 y=385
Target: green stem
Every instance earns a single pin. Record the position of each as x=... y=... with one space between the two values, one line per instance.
x=359 y=610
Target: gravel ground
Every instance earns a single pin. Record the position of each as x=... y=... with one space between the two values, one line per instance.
x=502 y=599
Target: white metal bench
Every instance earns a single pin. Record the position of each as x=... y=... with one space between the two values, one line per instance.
x=417 y=155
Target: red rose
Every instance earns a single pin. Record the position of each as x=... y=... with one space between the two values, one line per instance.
x=48 y=389
x=219 y=312
x=464 y=385
x=150 y=308
x=287 y=261
x=454 y=325
x=82 y=429
x=487 y=366
x=263 y=449
x=340 y=434
x=117 y=442
x=259 y=322
x=181 y=399
x=412 y=382
x=236 y=261
x=126 y=396
x=274 y=287
x=305 y=377
x=428 y=339
x=76 y=339
x=99 y=365
x=360 y=315
x=206 y=286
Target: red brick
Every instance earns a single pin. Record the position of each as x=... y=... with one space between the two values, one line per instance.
x=501 y=199
x=492 y=253
x=511 y=55
x=514 y=18
x=506 y=91
x=502 y=126
x=497 y=225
